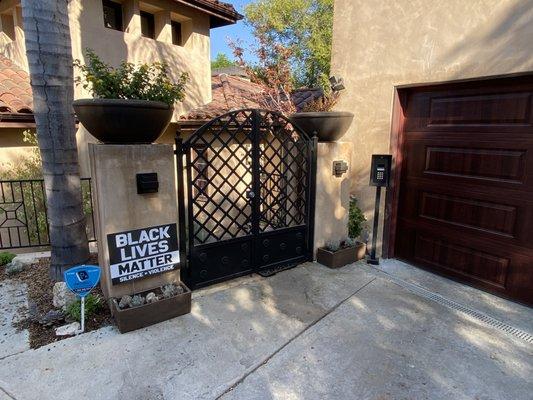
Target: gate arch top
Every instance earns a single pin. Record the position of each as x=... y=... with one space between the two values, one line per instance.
x=243 y=117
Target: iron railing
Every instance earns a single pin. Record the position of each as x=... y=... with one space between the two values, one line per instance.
x=23 y=216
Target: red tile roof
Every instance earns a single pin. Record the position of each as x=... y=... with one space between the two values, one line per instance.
x=229 y=93
x=15 y=89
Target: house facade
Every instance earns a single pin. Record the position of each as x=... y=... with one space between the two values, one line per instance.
x=174 y=31
x=447 y=89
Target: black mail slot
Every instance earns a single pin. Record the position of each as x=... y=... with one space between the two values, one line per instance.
x=147 y=183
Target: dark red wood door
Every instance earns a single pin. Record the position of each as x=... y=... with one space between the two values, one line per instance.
x=465 y=204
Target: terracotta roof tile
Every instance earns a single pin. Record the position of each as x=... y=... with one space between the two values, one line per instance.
x=229 y=93
x=15 y=88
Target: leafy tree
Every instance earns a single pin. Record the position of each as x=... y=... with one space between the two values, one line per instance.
x=222 y=61
x=48 y=48
x=305 y=27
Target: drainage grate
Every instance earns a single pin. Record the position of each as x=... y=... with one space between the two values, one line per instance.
x=487 y=319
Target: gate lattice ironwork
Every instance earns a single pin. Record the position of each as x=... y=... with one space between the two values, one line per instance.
x=246 y=184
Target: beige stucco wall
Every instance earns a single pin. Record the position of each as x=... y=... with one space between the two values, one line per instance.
x=88 y=31
x=378 y=45
x=119 y=208
x=332 y=193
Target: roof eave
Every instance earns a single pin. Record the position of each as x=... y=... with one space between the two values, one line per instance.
x=219 y=15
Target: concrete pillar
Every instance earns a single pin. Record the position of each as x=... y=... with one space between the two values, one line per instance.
x=83 y=138
x=132 y=17
x=119 y=208
x=332 y=193
x=163 y=28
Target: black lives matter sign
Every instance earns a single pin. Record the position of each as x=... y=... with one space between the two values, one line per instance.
x=143 y=252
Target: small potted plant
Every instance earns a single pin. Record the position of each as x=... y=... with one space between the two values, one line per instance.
x=131 y=104
x=338 y=253
x=317 y=117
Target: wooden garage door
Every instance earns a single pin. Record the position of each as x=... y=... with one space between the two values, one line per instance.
x=465 y=204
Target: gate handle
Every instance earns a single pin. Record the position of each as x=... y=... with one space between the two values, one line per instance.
x=250 y=194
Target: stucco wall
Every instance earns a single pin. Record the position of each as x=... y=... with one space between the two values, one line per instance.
x=88 y=31
x=378 y=45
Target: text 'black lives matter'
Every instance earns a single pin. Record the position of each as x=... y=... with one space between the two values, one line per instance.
x=143 y=252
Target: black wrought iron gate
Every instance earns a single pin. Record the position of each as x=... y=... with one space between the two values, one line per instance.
x=246 y=187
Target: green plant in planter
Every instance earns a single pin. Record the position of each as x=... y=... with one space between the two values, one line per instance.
x=356 y=219
x=130 y=81
x=333 y=245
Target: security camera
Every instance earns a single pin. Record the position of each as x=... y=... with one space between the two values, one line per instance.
x=337 y=84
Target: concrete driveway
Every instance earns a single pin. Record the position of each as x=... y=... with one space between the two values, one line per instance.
x=307 y=333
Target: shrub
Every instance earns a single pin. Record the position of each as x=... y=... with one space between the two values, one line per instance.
x=29 y=165
x=93 y=304
x=130 y=81
x=356 y=219
x=324 y=103
x=6 y=258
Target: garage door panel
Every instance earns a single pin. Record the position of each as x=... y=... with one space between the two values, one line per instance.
x=462 y=260
x=489 y=164
x=482 y=240
x=495 y=268
x=503 y=165
x=487 y=214
x=465 y=205
x=473 y=107
x=494 y=218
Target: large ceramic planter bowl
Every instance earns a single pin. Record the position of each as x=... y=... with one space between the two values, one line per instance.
x=119 y=121
x=330 y=126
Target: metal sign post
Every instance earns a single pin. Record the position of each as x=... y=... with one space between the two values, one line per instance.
x=81 y=280
x=372 y=259
x=380 y=172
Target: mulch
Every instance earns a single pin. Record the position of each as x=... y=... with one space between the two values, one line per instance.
x=40 y=286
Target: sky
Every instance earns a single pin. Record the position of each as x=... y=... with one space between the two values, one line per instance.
x=237 y=31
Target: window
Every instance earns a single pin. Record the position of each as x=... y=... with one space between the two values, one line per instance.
x=8 y=25
x=176 y=33
x=112 y=15
x=200 y=169
x=147 y=25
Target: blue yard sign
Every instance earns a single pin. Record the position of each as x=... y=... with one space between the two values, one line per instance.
x=82 y=279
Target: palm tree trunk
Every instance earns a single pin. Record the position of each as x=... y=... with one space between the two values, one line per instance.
x=47 y=36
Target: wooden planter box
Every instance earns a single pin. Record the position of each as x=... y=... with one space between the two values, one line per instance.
x=342 y=257
x=130 y=319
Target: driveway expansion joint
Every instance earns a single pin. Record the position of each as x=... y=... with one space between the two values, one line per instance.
x=299 y=334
